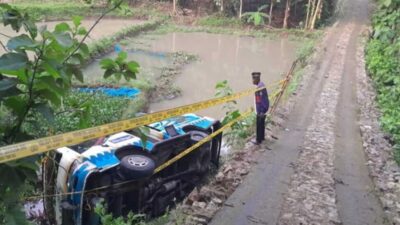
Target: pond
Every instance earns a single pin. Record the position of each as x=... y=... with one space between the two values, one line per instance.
x=221 y=57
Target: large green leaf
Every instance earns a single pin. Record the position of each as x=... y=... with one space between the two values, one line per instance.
x=77 y=72
x=8 y=87
x=12 y=61
x=7 y=83
x=77 y=20
x=21 y=41
x=17 y=104
x=133 y=66
x=30 y=27
x=108 y=64
x=48 y=83
x=13 y=18
x=62 y=27
x=63 y=39
x=121 y=57
x=51 y=67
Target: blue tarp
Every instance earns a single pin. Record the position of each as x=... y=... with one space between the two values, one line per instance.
x=113 y=92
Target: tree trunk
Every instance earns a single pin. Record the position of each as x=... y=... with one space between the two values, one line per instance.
x=174 y=9
x=240 y=9
x=308 y=15
x=287 y=14
x=311 y=14
x=316 y=13
x=270 y=13
x=222 y=6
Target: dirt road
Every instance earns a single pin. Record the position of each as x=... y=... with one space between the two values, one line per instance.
x=316 y=172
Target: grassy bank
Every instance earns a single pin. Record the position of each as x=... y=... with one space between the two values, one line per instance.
x=383 y=64
x=104 y=45
x=64 y=10
x=292 y=34
x=58 y=10
x=303 y=55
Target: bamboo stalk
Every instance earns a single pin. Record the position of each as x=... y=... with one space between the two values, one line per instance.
x=240 y=9
x=318 y=8
x=270 y=13
x=308 y=15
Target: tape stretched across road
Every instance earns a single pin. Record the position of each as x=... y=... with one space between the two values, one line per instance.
x=29 y=148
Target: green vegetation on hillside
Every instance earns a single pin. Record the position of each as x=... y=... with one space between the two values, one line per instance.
x=383 y=63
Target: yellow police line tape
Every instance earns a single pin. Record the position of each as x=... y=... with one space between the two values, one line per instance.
x=158 y=169
x=283 y=84
x=276 y=95
x=33 y=147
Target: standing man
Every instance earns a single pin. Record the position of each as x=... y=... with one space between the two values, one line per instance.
x=262 y=105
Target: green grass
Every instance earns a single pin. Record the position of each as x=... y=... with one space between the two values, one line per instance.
x=52 y=11
x=302 y=55
x=220 y=21
x=64 y=10
x=105 y=44
x=293 y=35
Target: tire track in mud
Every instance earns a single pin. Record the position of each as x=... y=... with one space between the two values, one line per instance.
x=311 y=198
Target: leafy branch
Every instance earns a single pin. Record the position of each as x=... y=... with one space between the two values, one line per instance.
x=116 y=5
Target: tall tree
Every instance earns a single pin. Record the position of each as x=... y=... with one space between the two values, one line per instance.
x=308 y=14
x=287 y=14
x=271 y=8
x=240 y=8
x=316 y=15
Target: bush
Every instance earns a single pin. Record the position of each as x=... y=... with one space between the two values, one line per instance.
x=383 y=64
x=219 y=21
x=80 y=110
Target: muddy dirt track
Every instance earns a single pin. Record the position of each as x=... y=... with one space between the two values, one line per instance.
x=316 y=172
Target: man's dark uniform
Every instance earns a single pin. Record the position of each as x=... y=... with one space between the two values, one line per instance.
x=262 y=106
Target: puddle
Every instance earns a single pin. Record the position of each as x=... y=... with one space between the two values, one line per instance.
x=222 y=57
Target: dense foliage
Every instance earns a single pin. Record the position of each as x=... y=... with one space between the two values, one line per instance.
x=53 y=10
x=383 y=63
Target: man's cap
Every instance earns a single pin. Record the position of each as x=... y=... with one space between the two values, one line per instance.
x=256 y=74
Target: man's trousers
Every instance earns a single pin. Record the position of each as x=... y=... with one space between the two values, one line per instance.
x=260 y=128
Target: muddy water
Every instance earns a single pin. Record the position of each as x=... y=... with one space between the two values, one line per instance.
x=222 y=57
x=106 y=27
